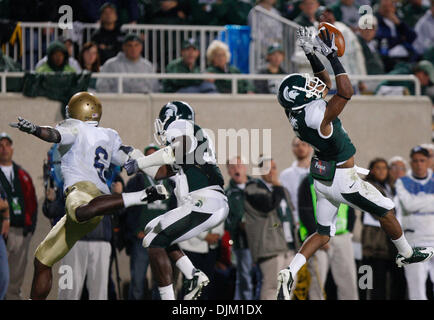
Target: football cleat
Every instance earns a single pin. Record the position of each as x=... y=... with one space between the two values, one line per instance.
x=420 y=254
x=285 y=280
x=193 y=287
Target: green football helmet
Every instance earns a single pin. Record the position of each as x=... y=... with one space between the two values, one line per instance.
x=297 y=90
x=170 y=112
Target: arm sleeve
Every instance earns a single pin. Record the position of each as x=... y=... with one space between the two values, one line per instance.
x=305 y=207
x=314 y=116
x=119 y=151
x=68 y=132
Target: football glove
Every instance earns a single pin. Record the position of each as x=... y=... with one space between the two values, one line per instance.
x=327 y=43
x=24 y=125
x=306 y=39
x=131 y=166
x=154 y=193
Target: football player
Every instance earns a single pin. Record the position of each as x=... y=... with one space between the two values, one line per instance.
x=316 y=121
x=201 y=200
x=86 y=153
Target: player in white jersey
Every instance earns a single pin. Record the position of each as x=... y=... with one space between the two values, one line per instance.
x=87 y=151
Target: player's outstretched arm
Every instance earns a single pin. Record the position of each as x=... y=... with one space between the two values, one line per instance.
x=48 y=134
x=307 y=41
x=344 y=88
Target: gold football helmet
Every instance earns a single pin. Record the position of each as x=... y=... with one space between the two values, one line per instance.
x=84 y=106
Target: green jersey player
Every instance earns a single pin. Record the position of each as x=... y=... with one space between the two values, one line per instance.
x=316 y=121
x=188 y=156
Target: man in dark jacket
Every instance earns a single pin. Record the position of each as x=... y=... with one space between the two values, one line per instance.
x=109 y=36
x=269 y=225
x=21 y=196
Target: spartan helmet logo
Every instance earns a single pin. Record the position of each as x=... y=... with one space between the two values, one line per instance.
x=171 y=110
x=290 y=95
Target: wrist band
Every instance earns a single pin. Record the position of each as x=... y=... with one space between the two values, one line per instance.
x=336 y=64
x=6 y=218
x=341 y=96
x=315 y=63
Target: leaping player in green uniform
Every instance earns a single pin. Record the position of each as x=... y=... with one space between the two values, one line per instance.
x=316 y=121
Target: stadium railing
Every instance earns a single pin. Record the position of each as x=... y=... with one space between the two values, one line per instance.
x=35 y=40
x=261 y=38
x=217 y=76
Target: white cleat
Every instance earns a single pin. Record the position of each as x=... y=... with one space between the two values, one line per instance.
x=420 y=254
x=285 y=280
x=193 y=287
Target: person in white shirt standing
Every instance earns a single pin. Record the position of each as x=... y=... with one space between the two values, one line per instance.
x=415 y=193
x=291 y=177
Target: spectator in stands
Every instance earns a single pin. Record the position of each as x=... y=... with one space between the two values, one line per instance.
x=291 y=177
x=267 y=29
x=415 y=193
x=430 y=148
x=377 y=249
x=4 y=230
x=307 y=17
x=394 y=36
x=18 y=185
x=172 y=12
x=69 y=48
x=218 y=57
x=424 y=30
x=136 y=219
x=57 y=59
x=235 y=224
x=109 y=36
x=423 y=70
x=337 y=255
x=346 y=11
x=89 y=57
x=89 y=60
x=373 y=62
x=202 y=250
x=187 y=64
x=275 y=56
x=412 y=11
x=269 y=225
x=129 y=60
x=397 y=169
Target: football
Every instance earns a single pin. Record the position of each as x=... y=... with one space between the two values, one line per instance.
x=339 y=38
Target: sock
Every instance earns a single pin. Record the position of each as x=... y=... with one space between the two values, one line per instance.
x=403 y=246
x=167 y=293
x=187 y=268
x=132 y=198
x=296 y=263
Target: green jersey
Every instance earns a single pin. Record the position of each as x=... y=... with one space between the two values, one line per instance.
x=199 y=163
x=306 y=125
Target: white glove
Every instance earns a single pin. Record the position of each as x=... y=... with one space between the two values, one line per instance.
x=306 y=39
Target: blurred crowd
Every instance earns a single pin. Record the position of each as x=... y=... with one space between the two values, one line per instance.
x=387 y=37
x=270 y=217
